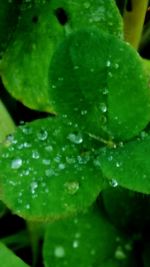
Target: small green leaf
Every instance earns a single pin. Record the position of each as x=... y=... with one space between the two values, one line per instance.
x=8 y=258
x=48 y=171
x=128 y=210
x=91 y=83
x=84 y=240
x=42 y=26
x=128 y=165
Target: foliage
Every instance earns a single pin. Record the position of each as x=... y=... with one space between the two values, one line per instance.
x=75 y=170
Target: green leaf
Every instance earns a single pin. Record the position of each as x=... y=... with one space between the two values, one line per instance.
x=91 y=84
x=8 y=20
x=42 y=26
x=47 y=170
x=84 y=240
x=7 y=125
x=8 y=258
x=128 y=165
x=128 y=210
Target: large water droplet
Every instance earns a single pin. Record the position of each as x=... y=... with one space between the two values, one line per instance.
x=108 y=63
x=75 y=138
x=59 y=252
x=42 y=135
x=16 y=163
x=72 y=187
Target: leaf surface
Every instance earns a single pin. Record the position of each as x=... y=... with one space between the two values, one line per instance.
x=128 y=165
x=92 y=75
x=84 y=240
x=8 y=258
x=48 y=171
x=42 y=26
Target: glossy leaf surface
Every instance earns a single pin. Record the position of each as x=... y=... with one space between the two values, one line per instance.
x=48 y=171
x=84 y=240
x=91 y=83
x=8 y=258
x=128 y=165
x=42 y=25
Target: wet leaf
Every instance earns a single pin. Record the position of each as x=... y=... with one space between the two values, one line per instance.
x=7 y=257
x=42 y=26
x=128 y=165
x=48 y=171
x=84 y=240
x=91 y=83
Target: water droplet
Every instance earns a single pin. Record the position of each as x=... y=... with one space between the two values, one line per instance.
x=86 y=5
x=75 y=243
x=113 y=183
x=83 y=112
x=46 y=161
x=119 y=253
x=105 y=91
x=59 y=252
x=35 y=154
x=75 y=138
x=26 y=145
x=108 y=63
x=42 y=135
x=16 y=163
x=72 y=187
x=61 y=166
x=60 y=79
x=54 y=86
x=27 y=206
x=76 y=67
x=117 y=164
x=11 y=139
x=26 y=130
x=103 y=107
x=34 y=185
x=116 y=66
x=49 y=172
x=49 y=148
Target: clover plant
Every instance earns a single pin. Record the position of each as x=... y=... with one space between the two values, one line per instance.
x=74 y=133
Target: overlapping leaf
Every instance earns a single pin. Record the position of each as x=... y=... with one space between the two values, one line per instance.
x=98 y=80
x=42 y=25
x=128 y=165
x=84 y=240
x=8 y=258
x=48 y=171
x=127 y=209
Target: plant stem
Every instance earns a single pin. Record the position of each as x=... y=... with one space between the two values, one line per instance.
x=134 y=21
x=7 y=125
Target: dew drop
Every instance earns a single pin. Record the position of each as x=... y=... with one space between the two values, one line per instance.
x=46 y=161
x=86 y=5
x=34 y=185
x=49 y=172
x=35 y=154
x=113 y=183
x=119 y=253
x=42 y=135
x=59 y=252
x=108 y=63
x=72 y=187
x=75 y=138
x=27 y=206
x=116 y=66
x=26 y=130
x=75 y=243
x=83 y=112
x=103 y=107
x=61 y=166
x=16 y=163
